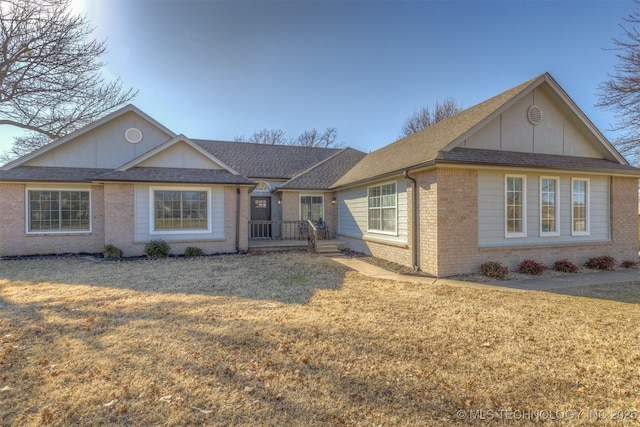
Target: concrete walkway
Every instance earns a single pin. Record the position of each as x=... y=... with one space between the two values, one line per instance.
x=563 y=281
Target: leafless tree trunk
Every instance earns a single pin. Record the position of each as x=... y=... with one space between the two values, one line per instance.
x=425 y=117
x=621 y=92
x=50 y=80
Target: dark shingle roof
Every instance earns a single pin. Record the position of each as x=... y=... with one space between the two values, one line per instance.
x=266 y=161
x=178 y=175
x=48 y=173
x=325 y=173
x=521 y=159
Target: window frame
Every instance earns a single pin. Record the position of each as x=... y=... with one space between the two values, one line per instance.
x=152 y=211
x=58 y=189
x=556 y=214
x=523 y=218
x=300 y=205
x=380 y=208
x=587 y=210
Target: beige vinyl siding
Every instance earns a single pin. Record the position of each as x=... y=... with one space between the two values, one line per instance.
x=353 y=213
x=142 y=217
x=491 y=210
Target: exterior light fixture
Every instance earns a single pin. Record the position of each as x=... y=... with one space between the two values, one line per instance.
x=333 y=201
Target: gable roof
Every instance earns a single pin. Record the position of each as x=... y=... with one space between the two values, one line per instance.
x=322 y=175
x=266 y=161
x=424 y=148
x=170 y=143
x=88 y=128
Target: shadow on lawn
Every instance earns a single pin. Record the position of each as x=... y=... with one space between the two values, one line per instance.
x=283 y=277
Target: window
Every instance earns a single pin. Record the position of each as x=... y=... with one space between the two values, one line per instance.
x=515 y=206
x=177 y=210
x=549 y=206
x=579 y=207
x=382 y=208
x=59 y=211
x=311 y=207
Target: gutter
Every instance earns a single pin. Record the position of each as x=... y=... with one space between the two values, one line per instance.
x=237 y=218
x=414 y=221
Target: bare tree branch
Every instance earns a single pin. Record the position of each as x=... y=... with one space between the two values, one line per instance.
x=50 y=72
x=425 y=117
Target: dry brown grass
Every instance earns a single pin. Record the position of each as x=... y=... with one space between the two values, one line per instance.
x=294 y=339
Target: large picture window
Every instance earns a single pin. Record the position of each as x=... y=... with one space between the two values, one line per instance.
x=59 y=211
x=311 y=207
x=515 y=206
x=579 y=206
x=549 y=206
x=178 y=210
x=382 y=208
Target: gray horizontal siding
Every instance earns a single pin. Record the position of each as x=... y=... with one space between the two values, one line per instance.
x=491 y=199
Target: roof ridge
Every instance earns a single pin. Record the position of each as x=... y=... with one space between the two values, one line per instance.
x=315 y=165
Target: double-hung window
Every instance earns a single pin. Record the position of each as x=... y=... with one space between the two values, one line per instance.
x=311 y=207
x=549 y=191
x=383 y=208
x=58 y=211
x=580 y=207
x=515 y=206
x=179 y=210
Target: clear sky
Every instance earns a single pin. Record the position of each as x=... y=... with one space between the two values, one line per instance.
x=217 y=69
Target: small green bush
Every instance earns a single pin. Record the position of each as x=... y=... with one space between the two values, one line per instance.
x=565 y=266
x=529 y=266
x=494 y=269
x=604 y=262
x=193 y=251
x=629 y=264
x=157 y=249
x=112 y=252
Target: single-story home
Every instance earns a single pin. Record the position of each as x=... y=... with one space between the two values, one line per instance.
x=522 y=175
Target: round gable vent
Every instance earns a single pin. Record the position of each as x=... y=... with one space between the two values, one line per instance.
x=133 y=135
x=534 y=114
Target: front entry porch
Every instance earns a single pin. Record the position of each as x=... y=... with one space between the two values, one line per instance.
x=282 y=235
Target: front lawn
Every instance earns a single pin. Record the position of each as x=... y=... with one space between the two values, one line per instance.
x=295 y=339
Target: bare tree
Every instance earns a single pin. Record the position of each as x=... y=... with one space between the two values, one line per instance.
x=425 y=117
x=50 y=72
x=621 y=92
x=269 y=136
x=313 y=138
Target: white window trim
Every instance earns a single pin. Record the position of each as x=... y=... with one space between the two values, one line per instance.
x=301 y=195
x=152 y=215
x=523 y=233
x=587 y=231
x=373 y=231
x=557 y=207
x=28 y=210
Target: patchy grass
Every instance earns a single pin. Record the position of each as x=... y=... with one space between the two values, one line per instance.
x=290 y=339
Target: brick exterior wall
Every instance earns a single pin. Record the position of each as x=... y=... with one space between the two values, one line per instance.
x=14 y=239
x=448 y=227
x=120 y=225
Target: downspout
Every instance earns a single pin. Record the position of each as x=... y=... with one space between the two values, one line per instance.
x=237 y=218
x=414 y=221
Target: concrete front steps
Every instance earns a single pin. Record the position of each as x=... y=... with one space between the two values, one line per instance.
x=330 y=247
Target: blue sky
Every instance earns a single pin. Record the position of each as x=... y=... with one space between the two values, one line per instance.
x=216 y=70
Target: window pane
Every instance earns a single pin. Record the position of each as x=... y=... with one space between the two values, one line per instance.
x=389 y=219
x=382 y=208
x=515 y=204
x=59 y=210
x=548 y=205
x=374 y=219
x=580 y=206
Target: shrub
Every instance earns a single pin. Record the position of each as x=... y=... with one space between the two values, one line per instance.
x=112 y=252
x=193 y=251
x=529 y=266
x=566 y=266
x=604 y=262
x=629 y=264
x=157 y=249
x=494 y=269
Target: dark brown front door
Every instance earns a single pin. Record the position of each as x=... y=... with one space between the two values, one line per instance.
x=261 y=211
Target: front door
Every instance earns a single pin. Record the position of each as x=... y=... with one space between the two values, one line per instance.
x=261 y=211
